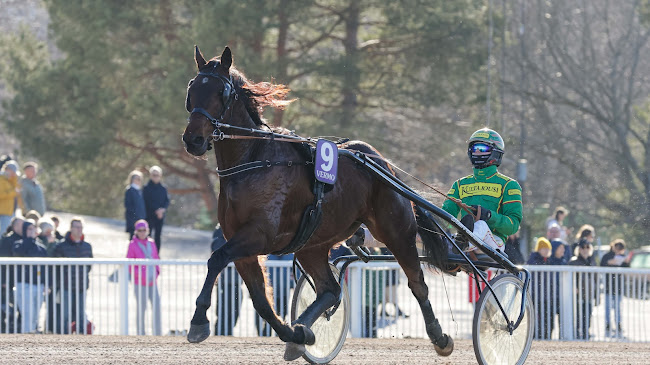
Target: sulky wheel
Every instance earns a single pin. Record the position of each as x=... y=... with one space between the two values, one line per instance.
x=330 y=333
x=493 y=343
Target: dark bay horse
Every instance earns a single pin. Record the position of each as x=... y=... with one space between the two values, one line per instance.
x=260 y=209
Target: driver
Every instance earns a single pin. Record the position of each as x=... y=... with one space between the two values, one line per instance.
x=494 y=199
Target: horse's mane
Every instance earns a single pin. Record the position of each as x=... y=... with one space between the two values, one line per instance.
x=256 y=96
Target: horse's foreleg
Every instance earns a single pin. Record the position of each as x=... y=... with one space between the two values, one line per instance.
x=253 y=275
x=200 y=326
x=233 y=250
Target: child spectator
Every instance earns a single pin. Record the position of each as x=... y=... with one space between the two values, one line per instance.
x=56 y=222
x=29 y=282
x=145 y=277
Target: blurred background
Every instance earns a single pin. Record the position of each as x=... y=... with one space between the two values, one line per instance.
x=93 y=89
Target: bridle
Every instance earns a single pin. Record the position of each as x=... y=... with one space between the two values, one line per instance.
x=229 y=97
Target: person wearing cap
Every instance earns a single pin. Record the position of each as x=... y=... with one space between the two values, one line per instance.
x=31 y=190
x=9 y=192
x=494 y=199
x=586 y=286
x=145 y=276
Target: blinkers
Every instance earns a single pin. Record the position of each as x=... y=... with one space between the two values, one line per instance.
x=229 y=93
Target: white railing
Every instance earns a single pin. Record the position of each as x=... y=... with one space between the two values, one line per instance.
x=375 y=288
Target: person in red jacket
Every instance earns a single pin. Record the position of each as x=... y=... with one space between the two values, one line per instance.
x=145 y=276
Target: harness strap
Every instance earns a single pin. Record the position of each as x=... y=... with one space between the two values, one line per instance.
x=256 y=165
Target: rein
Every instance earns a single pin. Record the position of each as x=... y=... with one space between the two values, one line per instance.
x=458 y=202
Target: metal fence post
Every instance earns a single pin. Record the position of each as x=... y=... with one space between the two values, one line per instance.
x=566 y=305
x=356 y=306
x=124 y=299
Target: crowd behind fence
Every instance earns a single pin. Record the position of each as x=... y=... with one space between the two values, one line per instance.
x=568 y=300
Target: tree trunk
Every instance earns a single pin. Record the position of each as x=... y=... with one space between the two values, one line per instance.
x=351 y=72
x=281 y=53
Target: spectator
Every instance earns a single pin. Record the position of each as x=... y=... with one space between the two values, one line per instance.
x=541 y=254
x=72 y=290
x=46 y=236
x=558 y=218
x=33 y=215
x=4 y=159
x=145 y=277
x=541 y=291
x=31 y=190
x=585 y=233
x=134 y=208
x=156 y=201
x=557 y=258
x=56 y=222
x=13 y=234
x=554 y=234
x=614 y=286
x=9 y=189
x=29 y=282
x=229 y=292
x=513 y=249
x=586 y=289
x=281 y=280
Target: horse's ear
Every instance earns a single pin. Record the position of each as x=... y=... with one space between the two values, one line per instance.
x=226 y=58
x=198 y=57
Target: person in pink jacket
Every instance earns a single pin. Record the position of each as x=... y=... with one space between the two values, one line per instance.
x=145 y=276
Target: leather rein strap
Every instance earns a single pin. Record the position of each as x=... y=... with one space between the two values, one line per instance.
x=256 y=165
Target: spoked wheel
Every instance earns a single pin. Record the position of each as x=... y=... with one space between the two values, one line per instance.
x=330 y=332
x=493 y=343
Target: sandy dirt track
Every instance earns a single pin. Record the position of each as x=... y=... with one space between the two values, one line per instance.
x=50 y=349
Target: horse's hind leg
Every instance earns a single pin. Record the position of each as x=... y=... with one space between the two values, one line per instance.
x=253 y=275
x=399 y=236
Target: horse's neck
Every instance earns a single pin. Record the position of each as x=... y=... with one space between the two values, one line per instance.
x=233 y=152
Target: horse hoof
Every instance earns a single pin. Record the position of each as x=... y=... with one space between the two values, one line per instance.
x=447 y=350
x=293 y=351
x=308 y=337
x=198 y=332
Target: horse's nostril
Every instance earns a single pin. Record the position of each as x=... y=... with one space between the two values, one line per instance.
x=198 y=140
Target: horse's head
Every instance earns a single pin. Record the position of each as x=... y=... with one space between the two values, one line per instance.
x=209 y=96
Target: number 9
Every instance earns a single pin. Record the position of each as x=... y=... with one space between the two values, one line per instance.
x=327 y=154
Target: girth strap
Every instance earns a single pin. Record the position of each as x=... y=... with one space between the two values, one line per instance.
x=258 y=164
x=310 y=221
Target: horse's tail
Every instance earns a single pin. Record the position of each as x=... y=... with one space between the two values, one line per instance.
x=433 y=240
